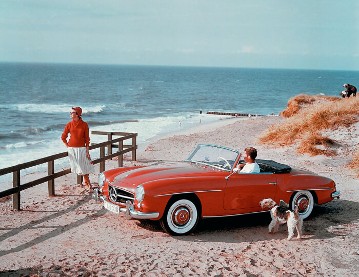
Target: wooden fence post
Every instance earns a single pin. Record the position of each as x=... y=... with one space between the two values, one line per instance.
x=134 y=158
x=16 y=196
x=120 y=157
x=109 y=147
x=51 y=183
x=102 y=155
x=79 y=179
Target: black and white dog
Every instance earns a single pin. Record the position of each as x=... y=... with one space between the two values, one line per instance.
x=281 y=214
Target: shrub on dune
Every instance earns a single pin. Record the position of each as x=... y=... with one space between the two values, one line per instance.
x=307 y=117
x=301 y=101
x=316 y=144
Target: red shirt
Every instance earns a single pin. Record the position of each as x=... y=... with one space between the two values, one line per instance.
x=79 y=134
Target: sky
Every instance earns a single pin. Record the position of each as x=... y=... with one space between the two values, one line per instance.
x=300 y=34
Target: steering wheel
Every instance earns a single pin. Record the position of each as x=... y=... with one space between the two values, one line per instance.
x=227 y=163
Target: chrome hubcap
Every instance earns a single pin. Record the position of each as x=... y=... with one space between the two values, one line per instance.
x=181 y=216
x=303 y=204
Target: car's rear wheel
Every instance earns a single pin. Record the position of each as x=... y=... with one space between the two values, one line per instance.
x=181 y=217
x=305 y=202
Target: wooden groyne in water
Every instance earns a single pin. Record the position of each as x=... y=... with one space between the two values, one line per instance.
x=234 y=114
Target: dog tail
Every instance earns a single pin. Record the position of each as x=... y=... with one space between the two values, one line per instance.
x=267 y=203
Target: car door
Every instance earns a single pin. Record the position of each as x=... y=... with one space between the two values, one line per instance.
x=243 y=192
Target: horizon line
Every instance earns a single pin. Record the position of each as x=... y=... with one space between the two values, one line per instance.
x=166 y=65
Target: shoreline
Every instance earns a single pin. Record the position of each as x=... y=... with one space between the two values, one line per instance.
x=193 y=128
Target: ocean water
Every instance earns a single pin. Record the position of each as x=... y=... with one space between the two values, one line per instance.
x=35 y=99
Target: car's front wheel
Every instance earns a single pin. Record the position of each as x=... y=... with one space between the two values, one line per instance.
x=181 y=217
x=304 y=201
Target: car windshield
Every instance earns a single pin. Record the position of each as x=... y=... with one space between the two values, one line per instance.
x=213 y=155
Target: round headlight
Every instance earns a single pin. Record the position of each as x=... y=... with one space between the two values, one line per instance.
x=101 y=179
x=139 y=193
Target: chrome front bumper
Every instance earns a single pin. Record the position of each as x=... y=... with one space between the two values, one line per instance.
x=129 y=210
x=131 y=213
x=336 y=194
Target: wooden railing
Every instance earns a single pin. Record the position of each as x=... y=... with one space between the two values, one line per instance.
x=50 y=160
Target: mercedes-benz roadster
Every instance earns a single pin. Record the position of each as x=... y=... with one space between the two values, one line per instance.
x=179 y=194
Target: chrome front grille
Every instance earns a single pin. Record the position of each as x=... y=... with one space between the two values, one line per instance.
x=119 y=195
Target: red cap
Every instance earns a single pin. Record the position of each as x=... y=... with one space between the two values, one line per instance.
x=78 y=110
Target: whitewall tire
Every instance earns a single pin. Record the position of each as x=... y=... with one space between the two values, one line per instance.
x=305 y=202
x=181 y=217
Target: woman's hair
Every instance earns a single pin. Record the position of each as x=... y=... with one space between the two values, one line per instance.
x=251 y=152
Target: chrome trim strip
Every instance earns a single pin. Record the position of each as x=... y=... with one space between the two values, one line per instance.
x=122 y=188
x=186 y=192
x=126 y=197
x=315 y=189
x=216 y=216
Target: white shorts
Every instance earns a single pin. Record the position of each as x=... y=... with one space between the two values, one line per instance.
x=79 y=163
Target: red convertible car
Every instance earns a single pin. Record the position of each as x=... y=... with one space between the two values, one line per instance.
x=179 y=194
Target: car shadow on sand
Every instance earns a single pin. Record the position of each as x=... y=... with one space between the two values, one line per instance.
x=326 y=221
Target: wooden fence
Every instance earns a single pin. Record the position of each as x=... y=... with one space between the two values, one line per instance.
x=50 y=160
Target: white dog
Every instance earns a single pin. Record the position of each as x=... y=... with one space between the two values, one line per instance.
x=282 y=214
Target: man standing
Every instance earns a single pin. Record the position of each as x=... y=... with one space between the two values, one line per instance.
x=350 y=89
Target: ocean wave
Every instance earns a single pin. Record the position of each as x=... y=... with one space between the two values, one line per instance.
x=109 y=122
x=36 y=131
x=22 y=144
x=21 y=134
x=11 y=135
x=94 y=109
x=52 y=108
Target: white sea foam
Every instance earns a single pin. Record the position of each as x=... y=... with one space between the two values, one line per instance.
x=152 y=127
x=55 y=108
x=23 y=144
x=16 y=145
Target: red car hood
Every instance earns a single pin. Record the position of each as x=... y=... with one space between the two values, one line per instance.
x=139 y=175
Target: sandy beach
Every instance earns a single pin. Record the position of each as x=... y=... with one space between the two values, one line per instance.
x=72 y=235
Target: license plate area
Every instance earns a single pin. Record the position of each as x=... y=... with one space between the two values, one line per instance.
x=111 y=207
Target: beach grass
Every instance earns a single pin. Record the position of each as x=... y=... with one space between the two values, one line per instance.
x=310 y=121
x=297 y=103
x=355 y=161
